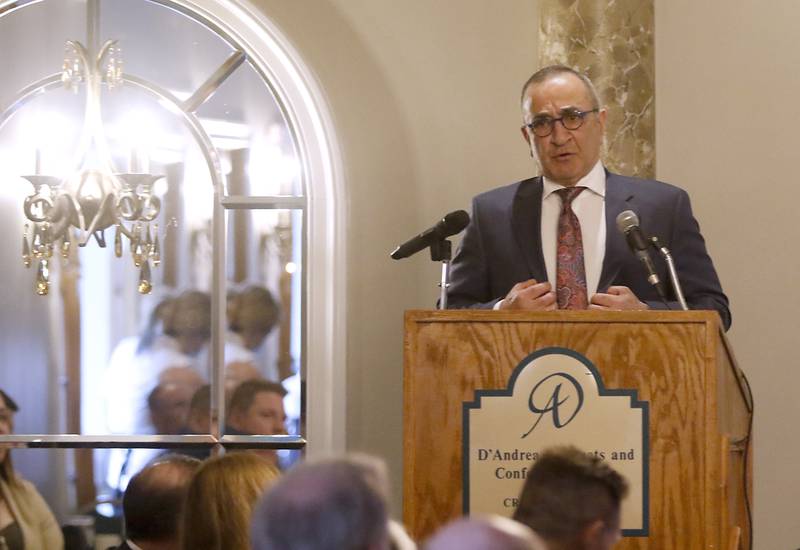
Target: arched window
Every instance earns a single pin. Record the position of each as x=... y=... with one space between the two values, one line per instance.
x=187 y=138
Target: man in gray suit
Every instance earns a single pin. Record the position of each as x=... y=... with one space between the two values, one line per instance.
x=519 y=250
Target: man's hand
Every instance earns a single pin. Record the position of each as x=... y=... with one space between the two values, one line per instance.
x=617 y=298
x=530 y=295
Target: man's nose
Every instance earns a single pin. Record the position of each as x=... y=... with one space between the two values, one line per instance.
x=560 y=135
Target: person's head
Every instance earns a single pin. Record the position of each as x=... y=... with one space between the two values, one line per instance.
x=485 y=533
x=188 y=319
x=155 y=324
x=252 y=313
x=170 y=400
x=558 y=92
x=325 y=505
x=220 y=501
x=8 y=409
x=154 y=500
x=572 y=499
x=237 y=372
x=256 y=408
x=198 y=420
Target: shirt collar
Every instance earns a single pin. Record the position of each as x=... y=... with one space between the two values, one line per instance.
x=595 y=180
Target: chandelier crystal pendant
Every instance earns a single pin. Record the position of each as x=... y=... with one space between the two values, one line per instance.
x=73 y=209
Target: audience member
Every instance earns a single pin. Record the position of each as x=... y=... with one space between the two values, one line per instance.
x=572 y=499
x=252 y=314
x=326 y=505
x=237 y=373
x=25 y=519
x=220 y=501
x=170 y=400
x=256 y=408
x=198 y=420
x=173 y=341
x=375 y=473
x=154 y=501
x=485 y=533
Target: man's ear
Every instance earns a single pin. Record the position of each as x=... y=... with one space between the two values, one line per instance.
x=526 y=135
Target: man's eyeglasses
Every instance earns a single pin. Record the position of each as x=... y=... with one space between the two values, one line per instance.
x=571 y=119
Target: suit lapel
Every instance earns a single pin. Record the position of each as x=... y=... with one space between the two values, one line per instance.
x=526 y=216
x=619 y=196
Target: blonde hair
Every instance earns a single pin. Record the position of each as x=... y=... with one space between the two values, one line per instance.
x=221 y=499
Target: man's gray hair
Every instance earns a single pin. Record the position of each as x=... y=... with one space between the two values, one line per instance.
x=325 y=505
x=545 y=73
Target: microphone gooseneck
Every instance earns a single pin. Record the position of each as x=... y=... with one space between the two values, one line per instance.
x=628 y=225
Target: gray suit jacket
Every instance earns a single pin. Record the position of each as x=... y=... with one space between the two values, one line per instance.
x=502 y=245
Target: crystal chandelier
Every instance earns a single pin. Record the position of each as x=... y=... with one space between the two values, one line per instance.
x=63 y=211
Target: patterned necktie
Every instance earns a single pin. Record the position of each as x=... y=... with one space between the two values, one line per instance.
x=570 y=271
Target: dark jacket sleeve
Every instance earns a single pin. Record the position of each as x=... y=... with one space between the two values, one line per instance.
x=699 y=280
x=470 y=286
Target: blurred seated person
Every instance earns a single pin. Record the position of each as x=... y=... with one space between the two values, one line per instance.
x=256 y=408
x=153 y=504
x=26 y=522
x=168 y=406
x=169 y=402
x=175 y=337
x=198 y=421
x=375 y=472
x=252 y=314
x=221 y=499
x=238 y=372
x=485 y=533
x=572 y=500
x=323 y=505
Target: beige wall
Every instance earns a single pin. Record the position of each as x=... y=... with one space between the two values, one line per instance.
x=424 y=97
x=728 y=106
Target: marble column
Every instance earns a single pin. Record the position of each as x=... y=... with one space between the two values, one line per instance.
x=612 y=42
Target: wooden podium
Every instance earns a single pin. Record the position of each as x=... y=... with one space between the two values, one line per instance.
x=679 y=362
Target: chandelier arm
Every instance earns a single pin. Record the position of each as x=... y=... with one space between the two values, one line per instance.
x=123 y=229
x=84 y=236
x=198 y=132
x=107 y=45
x=82 y=52
x=100 y=211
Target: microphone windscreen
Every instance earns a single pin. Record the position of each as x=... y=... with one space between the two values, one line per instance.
x=453 y=223
x=627 y=220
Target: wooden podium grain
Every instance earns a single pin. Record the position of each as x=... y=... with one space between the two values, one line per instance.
x=680 y=362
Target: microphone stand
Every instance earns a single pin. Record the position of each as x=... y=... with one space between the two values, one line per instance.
x=673 y=273
x=442 y=251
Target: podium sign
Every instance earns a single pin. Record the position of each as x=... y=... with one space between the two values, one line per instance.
x=554 y=397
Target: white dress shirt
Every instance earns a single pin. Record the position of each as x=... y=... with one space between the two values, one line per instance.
x=589 y=207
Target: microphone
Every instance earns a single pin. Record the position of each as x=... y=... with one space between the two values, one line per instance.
x=452 y=223
x=628 y=224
